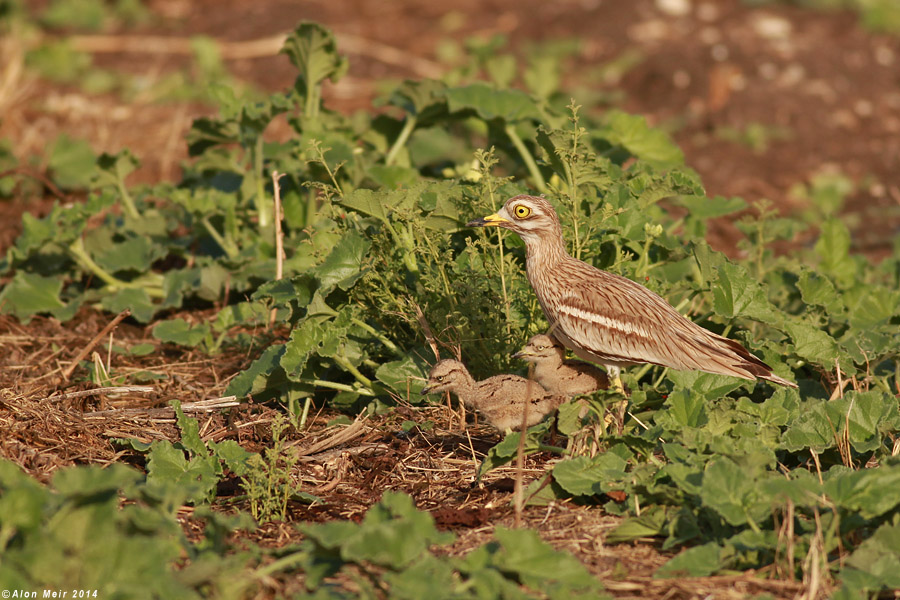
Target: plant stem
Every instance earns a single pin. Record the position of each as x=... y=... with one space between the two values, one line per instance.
x=340 y=387
x=377 y=335
x=348 y=366
x=227 y=246
x=83 y=258
x=305 y=414
x=263 y=205
x=408 y=128
x=127 y=200
x=311 y=208
x=527 y=158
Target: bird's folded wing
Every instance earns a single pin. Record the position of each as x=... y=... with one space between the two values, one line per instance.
x=601 y=326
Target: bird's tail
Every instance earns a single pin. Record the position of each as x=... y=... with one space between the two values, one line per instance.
x=751 y=364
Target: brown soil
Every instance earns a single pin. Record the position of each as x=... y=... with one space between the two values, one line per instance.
x=827 y=91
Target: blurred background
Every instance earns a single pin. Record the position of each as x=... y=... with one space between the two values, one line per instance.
x=780 y=101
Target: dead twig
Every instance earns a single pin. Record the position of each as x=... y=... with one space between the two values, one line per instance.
x=123 y=389
x=87 y=349
x=279 y=238
x=259 y=48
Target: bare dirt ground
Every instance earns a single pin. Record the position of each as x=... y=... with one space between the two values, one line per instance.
x=826 y=92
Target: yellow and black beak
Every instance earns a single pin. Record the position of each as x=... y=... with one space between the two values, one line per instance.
x=521 y=353
x=426 y=390
x=493 y=220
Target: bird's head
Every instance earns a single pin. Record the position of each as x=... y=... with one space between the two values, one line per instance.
x=541 y=348
x=446 y=376
x=532 y=217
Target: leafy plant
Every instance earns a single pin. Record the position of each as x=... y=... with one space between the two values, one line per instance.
x=268 y=478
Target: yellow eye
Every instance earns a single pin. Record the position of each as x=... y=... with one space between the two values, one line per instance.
x=521 y=211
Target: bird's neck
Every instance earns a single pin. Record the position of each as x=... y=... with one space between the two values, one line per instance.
x=465 y=388
x=543 y=255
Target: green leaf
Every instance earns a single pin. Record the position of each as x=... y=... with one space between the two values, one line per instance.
x=134 y=299
x=133 y=254
x=737 y=294
x=265 y=373
x=685 y=410
x=404 y=376
x=93 y=480
x=506 y=450
x=818 y=290
x=233 y=455
x=198 y=477
x=833 y=246
x=700 y=561
x=702 y=207
x=490 y=103
x=651 y=523
x=869 y=492
x=190 y=432
x=729 y=491
x=343 y=266
x=313 y=50
x=71 y=162
x=423 y=99
x=538 y=564
x=879 y=556
x=179 y=331
x=582 y=476
x=112 y=169
x=632 y=133
x=811 y=343
x=28 y=294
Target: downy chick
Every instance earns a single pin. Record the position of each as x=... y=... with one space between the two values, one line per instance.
x=500 y=399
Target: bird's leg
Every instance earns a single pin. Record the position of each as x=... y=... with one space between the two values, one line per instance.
x=618 y=414
x=614 y=380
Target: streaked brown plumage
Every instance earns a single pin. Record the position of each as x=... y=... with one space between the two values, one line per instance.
x=501 y=399
x=558 y=375
x=606 y=318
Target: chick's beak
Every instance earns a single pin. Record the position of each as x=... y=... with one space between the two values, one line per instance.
x=493 y=220
x=521 y=354
x=426 y=390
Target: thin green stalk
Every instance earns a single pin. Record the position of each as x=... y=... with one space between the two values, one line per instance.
x=305 y=413
x=506 y=306
x=340 y=387
x=83 y=258
x=527 y=158
x=311 y=207
x=127 y=200
x=263 y=203
x=400 y=142
x=377 y=335
x=227 y=246
x=348 y=366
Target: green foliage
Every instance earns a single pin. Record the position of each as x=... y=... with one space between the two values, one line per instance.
x=192 y=466
x=393 y=547
x=76 y=535
x=374 y=214
x=267 y=478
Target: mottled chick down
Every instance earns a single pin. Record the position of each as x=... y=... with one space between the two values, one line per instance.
x=500 y=399
x=608 y=319
x=558 y=375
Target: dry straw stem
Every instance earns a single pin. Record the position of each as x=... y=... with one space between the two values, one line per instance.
x=67 y=373
x=279 y=238
x=258 y=48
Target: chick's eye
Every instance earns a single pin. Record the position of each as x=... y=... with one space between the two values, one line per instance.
x=440 y=377
x=522 y=211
